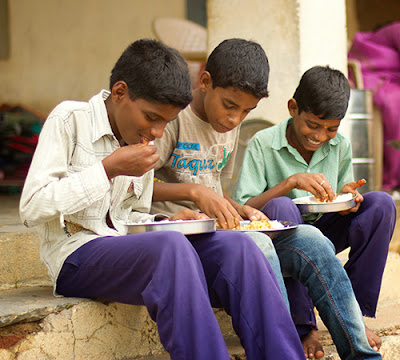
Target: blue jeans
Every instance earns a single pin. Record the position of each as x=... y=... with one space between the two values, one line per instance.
x=266 y=245
x=307 y=255
x=366 y=232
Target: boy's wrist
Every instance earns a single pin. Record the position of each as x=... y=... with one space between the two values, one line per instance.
x=194 y=192
x=291 y=182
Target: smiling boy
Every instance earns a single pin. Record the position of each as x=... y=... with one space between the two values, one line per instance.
x=306 y=154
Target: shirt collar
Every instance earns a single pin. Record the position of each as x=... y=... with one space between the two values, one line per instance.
x=100 y=120
x=281 y=140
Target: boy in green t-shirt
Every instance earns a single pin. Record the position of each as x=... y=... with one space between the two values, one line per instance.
x=305 y=154
x=199 y=147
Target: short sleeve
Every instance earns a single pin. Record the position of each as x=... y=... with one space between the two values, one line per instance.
x=251 y=181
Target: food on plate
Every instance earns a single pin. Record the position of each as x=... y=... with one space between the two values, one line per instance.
x=262 y=225
x=338 y=198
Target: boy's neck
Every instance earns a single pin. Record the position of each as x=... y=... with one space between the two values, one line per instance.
x=197 y=105
x=110 y=112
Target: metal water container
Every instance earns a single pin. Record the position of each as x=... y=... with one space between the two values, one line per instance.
x=365 y=136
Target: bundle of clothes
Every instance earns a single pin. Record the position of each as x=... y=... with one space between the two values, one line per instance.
x=19 y=134
x=378 y=52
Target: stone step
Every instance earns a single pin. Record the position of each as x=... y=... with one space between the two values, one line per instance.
x=19 y=248
x=35 y=325
x=20 y=261
x=39 y=326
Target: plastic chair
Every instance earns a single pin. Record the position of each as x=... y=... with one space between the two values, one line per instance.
x=248 y=129
x=189 y=38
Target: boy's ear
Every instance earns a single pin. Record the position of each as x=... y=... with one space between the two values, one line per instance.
x=119 y=91
x=205 y=81
x=293 y=108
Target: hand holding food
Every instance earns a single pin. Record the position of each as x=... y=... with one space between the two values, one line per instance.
x=317 y=184
x=188 y=214
x=216 y=206
x=250 y=213
x=131 y=160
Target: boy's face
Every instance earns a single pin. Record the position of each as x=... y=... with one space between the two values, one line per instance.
x=309 y=132
x=226 y=108
x=138 y=121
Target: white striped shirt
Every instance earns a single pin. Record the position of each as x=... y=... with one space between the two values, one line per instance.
x=67 y=193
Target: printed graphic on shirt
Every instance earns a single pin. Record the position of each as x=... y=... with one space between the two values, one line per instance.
x=189 y=160
x=188 y=146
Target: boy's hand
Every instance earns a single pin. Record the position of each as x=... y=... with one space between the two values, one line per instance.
x=216 y=206
x=188 y=214
x=316 y=184
x=131 y=160
x=352 y=188
x=250 y=213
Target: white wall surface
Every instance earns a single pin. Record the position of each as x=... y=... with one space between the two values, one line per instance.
x=66 y=49
x=295 y=35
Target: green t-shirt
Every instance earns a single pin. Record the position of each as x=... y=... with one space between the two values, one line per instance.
x=269 y=159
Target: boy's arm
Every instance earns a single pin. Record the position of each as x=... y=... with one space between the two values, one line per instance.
x=281 y=189
x=252 y=179
x=53 y=189
x=49 y=189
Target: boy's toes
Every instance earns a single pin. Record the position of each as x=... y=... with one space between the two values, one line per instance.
x=374 y=340
x=312 y=347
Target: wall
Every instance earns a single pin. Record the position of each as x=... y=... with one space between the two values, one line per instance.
x=66 y=49
x=295 y=34
x=367 y=15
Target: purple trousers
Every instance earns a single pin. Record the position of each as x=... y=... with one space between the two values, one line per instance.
x=367 y=232
x=179 y=278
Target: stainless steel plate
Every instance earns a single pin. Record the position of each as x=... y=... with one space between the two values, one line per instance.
x=309 y=204
x=187 y=227
x=287 y=225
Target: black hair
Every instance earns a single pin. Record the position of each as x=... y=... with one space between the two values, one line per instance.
x=154 y=72
x=324 y=92
x=241 y=64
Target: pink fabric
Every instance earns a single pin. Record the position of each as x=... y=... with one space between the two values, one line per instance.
x=379 y=55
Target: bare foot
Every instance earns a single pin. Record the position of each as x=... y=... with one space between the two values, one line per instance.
x=374 y=340
x=311 y=345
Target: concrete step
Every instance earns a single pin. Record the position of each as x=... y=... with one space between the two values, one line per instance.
x=34 y=325
x=38 y=326
x=19 y=248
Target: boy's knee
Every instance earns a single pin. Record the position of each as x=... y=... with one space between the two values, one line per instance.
x=314 y=242
x=380 y=203
x=282 y=201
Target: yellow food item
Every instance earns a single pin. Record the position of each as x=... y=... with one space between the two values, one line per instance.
x=258 y=225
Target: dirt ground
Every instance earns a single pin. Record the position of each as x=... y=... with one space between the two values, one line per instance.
x=10 y=335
